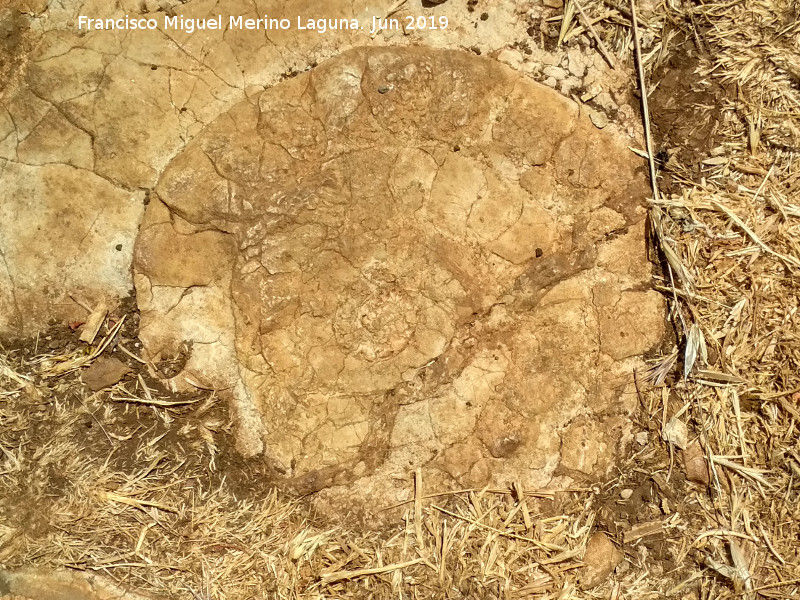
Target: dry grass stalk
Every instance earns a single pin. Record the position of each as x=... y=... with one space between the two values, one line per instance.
x=596 y=36
x=93 y=323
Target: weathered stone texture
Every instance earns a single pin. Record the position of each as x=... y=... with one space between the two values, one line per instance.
x=120 y=105
x=81 y=243
x=403 y=258
x=115 y=106
x=35 y=584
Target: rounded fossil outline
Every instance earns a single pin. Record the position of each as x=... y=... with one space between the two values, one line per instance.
x=385 y=314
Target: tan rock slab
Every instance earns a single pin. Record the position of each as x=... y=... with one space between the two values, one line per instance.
x=600 y=559
x=119 y=105
x=34 y=584
x=88 y=120
x=401 y=253
x=62 y=229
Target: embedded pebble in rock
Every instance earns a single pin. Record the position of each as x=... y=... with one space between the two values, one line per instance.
x=576 y=62
x=599 y=118
x=556 y=73
x=406 y=258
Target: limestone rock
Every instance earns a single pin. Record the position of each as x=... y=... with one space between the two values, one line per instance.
x=106 y=110
x=695 y=464
x=406 y=257
x=57 y=224
x=34 y=584
x=601 y=558
x=88 y=120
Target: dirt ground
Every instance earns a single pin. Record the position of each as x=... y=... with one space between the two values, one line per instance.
x=105 y=470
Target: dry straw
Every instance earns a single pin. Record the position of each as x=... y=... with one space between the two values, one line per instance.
x=127 y=482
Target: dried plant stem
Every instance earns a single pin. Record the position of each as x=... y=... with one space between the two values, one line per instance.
x=645 y=110
x=418 y=507
x=342 y=575
x=600 y=45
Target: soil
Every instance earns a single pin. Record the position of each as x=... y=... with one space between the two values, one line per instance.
x=684 y=129
x=106 y=427
x=103 y=429
x=648 y=490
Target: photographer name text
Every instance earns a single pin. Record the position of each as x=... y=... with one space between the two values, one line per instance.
x=190 y=25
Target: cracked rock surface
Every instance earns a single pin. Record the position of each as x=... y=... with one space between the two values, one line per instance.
x=89 y=120
x=35 y=584
x=406 y=258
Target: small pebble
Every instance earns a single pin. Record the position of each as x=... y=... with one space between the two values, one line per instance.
x=695 y=464
x=641 y=438
x=556 y=73
x=590 y=93
x=676 y=433
x=600 y=559
x=576 y=62
x=605 y=100
x=569 y=84
x=626 y=493
x=599 y=118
